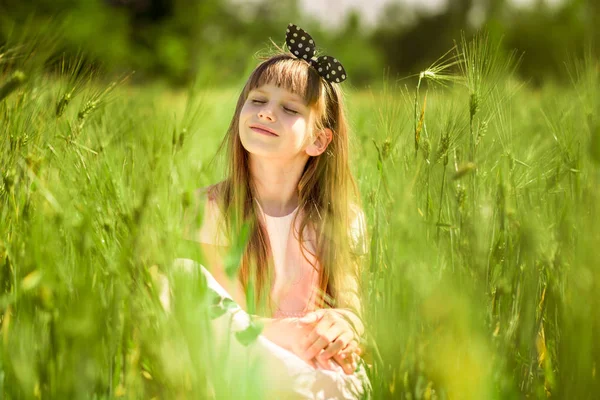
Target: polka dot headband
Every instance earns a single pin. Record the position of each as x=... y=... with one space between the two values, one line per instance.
x=302 y=45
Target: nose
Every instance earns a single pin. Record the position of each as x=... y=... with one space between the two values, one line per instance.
x=266 y=113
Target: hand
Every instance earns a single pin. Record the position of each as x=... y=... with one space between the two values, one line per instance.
x=290 y=332
x=286 y=332
x=346 y=358
x=332 y=336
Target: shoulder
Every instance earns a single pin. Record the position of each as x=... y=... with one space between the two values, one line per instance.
x=209 y=193
x=209 y=198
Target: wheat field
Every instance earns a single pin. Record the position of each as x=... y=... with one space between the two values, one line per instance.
x=482 y=194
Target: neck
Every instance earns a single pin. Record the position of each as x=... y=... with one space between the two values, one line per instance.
x=276 y=183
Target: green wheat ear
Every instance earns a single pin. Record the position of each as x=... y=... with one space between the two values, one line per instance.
x=440 y=72
x=62 y=104
x=16 y=80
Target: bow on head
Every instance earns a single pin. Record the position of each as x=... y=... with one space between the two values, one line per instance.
x=302 y=45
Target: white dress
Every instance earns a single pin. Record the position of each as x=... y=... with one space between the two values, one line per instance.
x=286 y=376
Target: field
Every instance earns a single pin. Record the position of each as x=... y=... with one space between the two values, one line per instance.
x=482 y=195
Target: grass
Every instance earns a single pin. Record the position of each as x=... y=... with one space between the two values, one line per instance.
x=484 y=219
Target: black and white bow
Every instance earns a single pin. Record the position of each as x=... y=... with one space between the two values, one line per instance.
x=302 y=45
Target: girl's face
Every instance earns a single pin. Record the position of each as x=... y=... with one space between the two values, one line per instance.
x=275 y=123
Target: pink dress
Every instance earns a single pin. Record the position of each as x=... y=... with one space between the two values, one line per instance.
x=296 y=278
x=296 y=284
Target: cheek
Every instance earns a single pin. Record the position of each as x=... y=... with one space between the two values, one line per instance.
x=246 y=109
x=301 y=131
x=246 y=113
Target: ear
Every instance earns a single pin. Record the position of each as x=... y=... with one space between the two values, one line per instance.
x=320 y=143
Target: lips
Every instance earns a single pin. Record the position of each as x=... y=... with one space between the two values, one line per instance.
x=263 y=130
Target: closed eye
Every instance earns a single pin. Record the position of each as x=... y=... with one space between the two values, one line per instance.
x=286 y=109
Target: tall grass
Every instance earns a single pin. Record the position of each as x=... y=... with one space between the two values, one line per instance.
x=483 y=273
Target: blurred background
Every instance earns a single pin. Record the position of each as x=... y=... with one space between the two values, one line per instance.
x=175 y=40
x=481 y=189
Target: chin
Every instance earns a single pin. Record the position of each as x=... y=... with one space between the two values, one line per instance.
x=255 y=146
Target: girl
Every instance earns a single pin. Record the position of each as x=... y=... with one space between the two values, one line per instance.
x=290 y=192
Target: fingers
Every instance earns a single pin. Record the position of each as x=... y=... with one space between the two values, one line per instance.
x=312 y=363
x=353 y=347
x=313 y=316
x=319 y=339
x=349 y=356
x=337 y=345
x=329 y=341
x=310 y=318
x=324 y=363
x=348 y=361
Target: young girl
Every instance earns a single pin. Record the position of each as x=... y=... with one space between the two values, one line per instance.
x=290 y=190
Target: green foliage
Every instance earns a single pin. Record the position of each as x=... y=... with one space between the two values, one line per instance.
x=483 y=271
x=249 y=335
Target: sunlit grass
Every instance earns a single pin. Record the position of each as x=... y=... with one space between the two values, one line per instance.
x=483 y=270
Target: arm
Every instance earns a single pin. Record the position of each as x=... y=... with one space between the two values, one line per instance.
x=213 y=258
x=211 y=240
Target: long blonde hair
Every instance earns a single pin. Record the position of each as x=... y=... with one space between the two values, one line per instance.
x=326 y=190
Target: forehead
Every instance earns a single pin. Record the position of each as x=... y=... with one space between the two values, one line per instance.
x=295 y=76
x=272 y=90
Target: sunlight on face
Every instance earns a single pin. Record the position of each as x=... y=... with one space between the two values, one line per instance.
x=275 y=123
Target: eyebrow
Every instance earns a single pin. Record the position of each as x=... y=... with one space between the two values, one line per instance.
x=286 y=97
